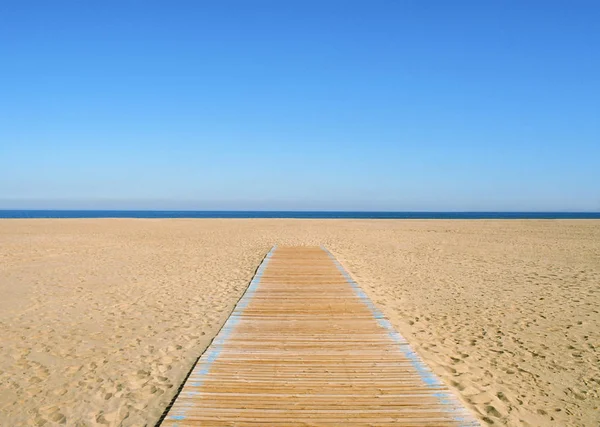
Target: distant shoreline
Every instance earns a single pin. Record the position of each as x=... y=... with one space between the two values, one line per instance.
x=156 y=214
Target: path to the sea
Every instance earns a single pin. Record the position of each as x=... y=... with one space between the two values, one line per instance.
x=306 y=347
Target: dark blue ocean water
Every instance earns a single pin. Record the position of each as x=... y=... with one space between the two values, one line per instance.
x=293 y=214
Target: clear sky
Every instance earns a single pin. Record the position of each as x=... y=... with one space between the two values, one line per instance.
x=354 y=105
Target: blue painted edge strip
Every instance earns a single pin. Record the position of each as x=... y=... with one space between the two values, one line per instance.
x=212 y=353
x=463 y=416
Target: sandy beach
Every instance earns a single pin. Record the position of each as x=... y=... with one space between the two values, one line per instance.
x=101 y=319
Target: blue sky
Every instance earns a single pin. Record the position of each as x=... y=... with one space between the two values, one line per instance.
x=359 y=105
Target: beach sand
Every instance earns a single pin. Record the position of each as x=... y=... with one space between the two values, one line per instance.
x=101 y=319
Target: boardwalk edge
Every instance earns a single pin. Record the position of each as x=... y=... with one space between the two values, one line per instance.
x=202 y=366
x=463 y=415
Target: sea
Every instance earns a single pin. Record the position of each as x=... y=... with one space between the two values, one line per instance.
x=15 y=214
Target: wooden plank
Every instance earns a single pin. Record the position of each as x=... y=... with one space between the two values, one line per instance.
x=306 y=347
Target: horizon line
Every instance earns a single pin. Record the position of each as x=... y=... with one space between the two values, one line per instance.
x=296 y=210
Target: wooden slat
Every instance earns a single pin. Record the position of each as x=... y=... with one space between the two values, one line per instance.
x=306 y=347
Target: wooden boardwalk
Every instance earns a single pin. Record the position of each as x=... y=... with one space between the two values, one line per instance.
x=306 y=347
